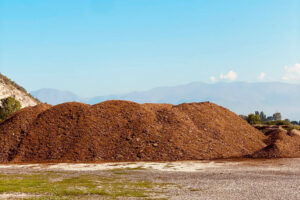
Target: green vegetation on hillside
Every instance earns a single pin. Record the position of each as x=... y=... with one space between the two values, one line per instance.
x=9 y=106
x=253 y=119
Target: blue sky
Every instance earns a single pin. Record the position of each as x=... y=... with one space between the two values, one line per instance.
x=115 y=46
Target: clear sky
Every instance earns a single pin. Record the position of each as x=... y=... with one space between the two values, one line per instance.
x=100 y=47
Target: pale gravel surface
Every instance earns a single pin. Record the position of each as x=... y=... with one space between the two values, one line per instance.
x=243 y=179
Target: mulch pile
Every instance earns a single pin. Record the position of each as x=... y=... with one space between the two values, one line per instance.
x=280 y=144
x=127 y=131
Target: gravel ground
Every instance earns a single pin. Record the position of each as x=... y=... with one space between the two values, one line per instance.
x=235 y=179
x=242 y=181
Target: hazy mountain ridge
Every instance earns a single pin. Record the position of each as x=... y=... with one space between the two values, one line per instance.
x=53 y=96
x=9 y=88
x=240 y=97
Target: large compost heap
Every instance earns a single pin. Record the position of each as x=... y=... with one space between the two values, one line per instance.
x=128 y=131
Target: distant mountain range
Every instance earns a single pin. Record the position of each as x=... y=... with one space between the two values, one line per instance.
x=240 y=97
x=54 y=96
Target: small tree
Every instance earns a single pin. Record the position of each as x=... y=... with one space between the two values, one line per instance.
x=253 y=119
x=9 y=106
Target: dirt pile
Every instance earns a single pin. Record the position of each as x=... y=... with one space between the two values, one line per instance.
x=15 y=129
x=280 y=143
x=127 y=131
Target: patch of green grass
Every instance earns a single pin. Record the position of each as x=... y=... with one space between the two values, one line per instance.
x=129 y=169
x=76 y=186
x=118 y=171
x=124 y=171
x=49 y=198
x=23 y=183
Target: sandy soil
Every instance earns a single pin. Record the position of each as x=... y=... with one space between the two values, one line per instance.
x=185 y=166
x=242 y=179
x=17 y=196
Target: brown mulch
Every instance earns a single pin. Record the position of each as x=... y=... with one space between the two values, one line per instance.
x=127 y=131
x=280 y=144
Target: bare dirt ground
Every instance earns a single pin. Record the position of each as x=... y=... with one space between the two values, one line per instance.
x=230 y=179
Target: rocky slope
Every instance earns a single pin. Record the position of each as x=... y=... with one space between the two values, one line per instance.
x=10 y=88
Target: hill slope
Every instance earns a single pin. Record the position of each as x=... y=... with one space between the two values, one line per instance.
x=10 y=88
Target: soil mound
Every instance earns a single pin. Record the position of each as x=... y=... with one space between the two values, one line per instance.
x=280 y=144
x=15 y=129
x=127 y=131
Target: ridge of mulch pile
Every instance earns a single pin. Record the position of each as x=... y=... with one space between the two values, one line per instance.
x=128 y=131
